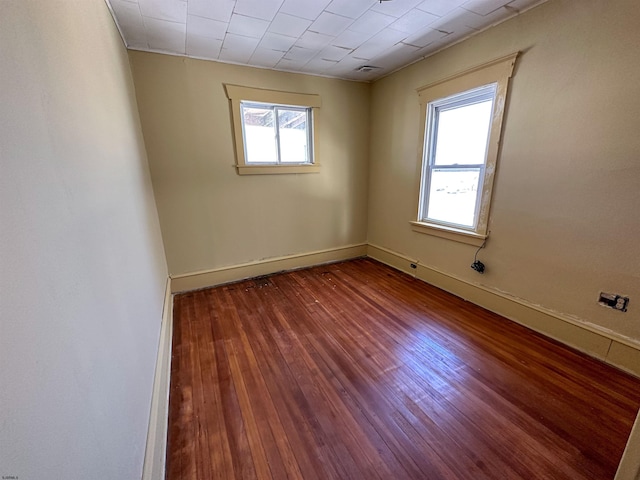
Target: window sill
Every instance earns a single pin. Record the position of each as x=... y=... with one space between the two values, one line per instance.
x=276 y=169
x=450 y=233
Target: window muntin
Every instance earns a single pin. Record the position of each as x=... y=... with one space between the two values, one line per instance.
x=276 y=134
x=458 y=129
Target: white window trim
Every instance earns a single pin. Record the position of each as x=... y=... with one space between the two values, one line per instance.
x=499 y=72
x=237 y=94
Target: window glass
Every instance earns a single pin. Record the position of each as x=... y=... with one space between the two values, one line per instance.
x=275 y=134
x=259 y=134
x=452 y=196
x=294 y=137
x=462 y=134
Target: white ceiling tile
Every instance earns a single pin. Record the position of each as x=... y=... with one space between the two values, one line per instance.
x=299 y=54
x=456 y=20
x=351 y=39
x=396 y=8
x=431 y=48
x=131 y=24
x=313 y=40
x=319 y=65
x=136 y=36
x=203 y=47
x=371 y=22
x=347 y=64
x=206 y=27
x=263 y=9
x=425 y=38
x=459 y=34
x=309 y=9
x=330 y=24
x=440 y=7
x=479 y=22
x=350 y=8
x=414 y=21
x=334 y=53
x=265 y=57
x=289 y=25
x=237 y=48
x=333 y=41
x=396 y=56
x=217 y=10
x=289 y=65
x=275 y=41
x=522 y=5
x=165 y=36
x=378 y=44
x=484 y=7
x=247 y=26
x=170 y=10
x=126 y=12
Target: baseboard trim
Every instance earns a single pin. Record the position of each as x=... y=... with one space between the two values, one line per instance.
x=219 y=276
x=616 y=350
x=156 y=449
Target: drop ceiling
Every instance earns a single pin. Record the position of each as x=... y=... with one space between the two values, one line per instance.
x=321 y=37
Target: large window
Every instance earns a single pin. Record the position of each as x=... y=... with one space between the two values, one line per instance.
x=461 y=125
x=455 y=157
x=274 y=131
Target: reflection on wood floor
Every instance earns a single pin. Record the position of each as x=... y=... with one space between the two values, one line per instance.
x=356 y=371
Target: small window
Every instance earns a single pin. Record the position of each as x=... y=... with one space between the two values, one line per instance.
x=461 y=124
x=276 y=134
x=274 y=131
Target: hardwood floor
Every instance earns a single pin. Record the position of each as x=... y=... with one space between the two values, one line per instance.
x=356 y=371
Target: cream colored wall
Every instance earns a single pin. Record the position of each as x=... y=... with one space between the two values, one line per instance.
x=210 y=216
x=564 y=222
x=83 y=269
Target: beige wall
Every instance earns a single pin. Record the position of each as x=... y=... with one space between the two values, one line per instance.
x=210 y=216
x=83 y=270
x=564 y=222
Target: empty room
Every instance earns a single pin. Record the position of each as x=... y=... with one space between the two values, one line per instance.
x=319 y=239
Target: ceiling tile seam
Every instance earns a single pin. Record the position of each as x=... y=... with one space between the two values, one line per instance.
x=473 y=34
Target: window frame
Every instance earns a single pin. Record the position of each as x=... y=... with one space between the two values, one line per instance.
x=238 y=94
x=496 y=72
x=275 y=107
x=462 y=99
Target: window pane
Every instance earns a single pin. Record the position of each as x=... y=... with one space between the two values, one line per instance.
x=293 y=136
x=462 y=134
x=452 y=196
x=259 y=135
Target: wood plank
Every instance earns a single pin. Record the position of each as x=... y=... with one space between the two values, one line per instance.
x=356 y=371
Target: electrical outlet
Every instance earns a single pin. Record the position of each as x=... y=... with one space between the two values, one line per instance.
x=613 y=300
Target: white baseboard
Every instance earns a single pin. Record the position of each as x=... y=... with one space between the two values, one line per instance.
x=155 y=453
x=616 y=350
x=219 y=276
